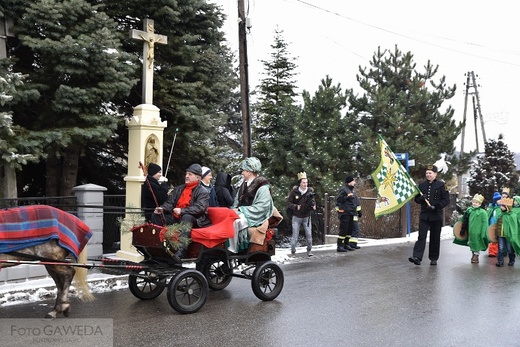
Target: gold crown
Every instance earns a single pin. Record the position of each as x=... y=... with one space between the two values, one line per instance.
x=302 y=175
x=478 y=198
x=505 y=191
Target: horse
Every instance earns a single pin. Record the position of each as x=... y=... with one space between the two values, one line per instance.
x=46 y=235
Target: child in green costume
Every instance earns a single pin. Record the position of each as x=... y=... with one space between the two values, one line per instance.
x=475 y=223
x=507 y=231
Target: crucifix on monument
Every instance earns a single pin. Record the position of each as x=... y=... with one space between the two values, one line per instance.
x=145 y=133
x=150 y=38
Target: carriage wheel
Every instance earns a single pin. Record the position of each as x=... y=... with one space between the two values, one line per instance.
x=216 y=272
x=188 y=291
x=146 y=285
x=267 y=281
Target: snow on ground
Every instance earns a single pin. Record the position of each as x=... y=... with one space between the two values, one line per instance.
x=14 y=293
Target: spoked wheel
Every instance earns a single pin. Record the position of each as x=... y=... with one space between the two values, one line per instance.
x=216 y=272
x=188 y=291
x=146 y=285
x=267 y=281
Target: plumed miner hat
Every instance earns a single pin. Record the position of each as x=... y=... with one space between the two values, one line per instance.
x=195 y=169
x=479 y=198
x=432 y=168
x=153 y=169
x=251 y=164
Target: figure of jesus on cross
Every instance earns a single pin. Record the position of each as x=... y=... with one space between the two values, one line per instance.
x=150 y=39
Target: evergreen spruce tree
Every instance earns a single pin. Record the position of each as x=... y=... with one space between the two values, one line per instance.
x=195 y=84
x=494 y=170
x=12 y=141
x=275 y=114
x=70 y=51
x=17 y=147
x=406 y=107
x=326 y=140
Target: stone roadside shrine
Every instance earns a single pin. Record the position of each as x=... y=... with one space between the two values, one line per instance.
x=145 y=134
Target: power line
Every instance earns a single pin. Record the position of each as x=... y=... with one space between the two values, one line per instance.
x=419 y=40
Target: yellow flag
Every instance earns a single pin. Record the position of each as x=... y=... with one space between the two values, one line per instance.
x=394 y=186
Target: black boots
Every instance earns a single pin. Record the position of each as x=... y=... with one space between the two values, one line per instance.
x=341 y=245
x=415 y=260
x=347 y=244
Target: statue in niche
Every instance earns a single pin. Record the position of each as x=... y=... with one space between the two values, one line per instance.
x=151 y=152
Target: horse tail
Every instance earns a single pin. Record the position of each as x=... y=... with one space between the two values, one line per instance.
x=80 y=278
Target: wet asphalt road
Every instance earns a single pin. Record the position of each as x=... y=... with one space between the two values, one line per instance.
x=370 y=297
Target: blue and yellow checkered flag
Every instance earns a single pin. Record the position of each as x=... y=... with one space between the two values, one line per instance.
x=394 y=185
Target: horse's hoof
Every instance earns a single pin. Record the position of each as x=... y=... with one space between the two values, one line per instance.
x=50 y=315
x=66 y=312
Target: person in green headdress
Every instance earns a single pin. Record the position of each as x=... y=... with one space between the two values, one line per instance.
x=254 y=206
x=507 y=231
x=514 y=236
x=475 y=223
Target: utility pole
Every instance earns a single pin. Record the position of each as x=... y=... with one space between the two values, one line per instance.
x=479 y=109
x=244 y=79
x=470 y=83
x=475 y=116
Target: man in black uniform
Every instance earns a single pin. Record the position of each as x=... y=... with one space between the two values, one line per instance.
x=346 y=207
x=433 y=198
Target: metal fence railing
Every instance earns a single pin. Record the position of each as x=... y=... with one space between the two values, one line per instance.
x=324 y=220
x=65 y=203
x=113 y=209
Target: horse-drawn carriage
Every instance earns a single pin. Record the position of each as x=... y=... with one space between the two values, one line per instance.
x=215 y=266
x=187 y=287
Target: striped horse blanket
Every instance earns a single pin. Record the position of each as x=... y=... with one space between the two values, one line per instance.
x=28 y=226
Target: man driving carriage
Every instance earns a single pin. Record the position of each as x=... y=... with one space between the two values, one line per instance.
x=187 y=203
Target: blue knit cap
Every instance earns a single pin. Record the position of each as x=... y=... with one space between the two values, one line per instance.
x=497 y=196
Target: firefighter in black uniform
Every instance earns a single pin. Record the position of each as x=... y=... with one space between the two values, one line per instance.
x=346 y=206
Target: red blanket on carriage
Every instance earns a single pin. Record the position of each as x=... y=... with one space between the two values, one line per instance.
x=28 y=226
x=222 y=219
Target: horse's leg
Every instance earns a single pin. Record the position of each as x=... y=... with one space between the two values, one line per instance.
x=62 y=276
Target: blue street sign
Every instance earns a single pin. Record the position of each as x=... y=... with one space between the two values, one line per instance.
x=401 y=156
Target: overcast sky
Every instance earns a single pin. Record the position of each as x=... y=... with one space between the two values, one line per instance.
x=335 y=37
